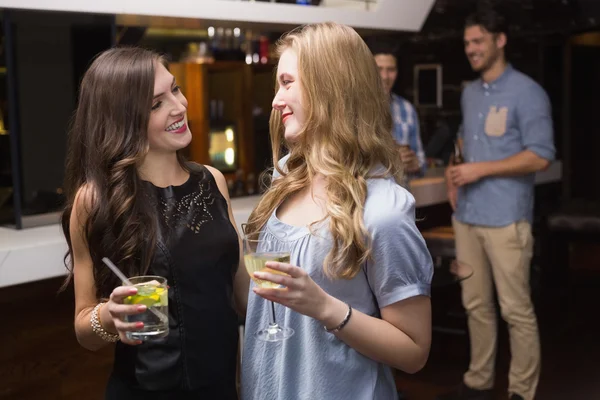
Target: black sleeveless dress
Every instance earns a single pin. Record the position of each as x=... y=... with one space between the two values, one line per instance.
x=198 y=253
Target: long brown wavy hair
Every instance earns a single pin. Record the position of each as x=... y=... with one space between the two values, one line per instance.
x=347 y=134
x=108 y=140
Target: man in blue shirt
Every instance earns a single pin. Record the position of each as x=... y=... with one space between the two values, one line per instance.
x=506 y=137
x=405 y=119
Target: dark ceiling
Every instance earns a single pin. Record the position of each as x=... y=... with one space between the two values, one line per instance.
x=526 y=17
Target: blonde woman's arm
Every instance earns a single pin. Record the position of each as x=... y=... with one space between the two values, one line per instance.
x=401 y=338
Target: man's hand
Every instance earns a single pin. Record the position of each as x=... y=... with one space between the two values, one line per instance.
x=464 y=174
x=452 y=190
x=409 y=159
x=453 y=197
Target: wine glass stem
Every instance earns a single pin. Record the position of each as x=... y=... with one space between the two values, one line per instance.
x=273 y=322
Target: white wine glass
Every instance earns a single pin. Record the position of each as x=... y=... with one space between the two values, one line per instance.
x=259 y=248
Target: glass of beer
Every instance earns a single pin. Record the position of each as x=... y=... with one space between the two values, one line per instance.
x=259 y=248
x=153 y=292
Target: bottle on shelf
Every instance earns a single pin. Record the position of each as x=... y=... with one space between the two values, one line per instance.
x=264 y=49
x=197 y=53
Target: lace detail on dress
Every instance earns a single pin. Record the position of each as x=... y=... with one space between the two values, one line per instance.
x=191 y=211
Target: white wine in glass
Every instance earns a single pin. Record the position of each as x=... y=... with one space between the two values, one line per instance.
x=255 y=262
x=260 y=248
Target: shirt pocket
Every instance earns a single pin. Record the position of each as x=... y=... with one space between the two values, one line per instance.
x=496 y=121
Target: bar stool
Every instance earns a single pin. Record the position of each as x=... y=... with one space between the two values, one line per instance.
x=440 y=241
x=576 y=221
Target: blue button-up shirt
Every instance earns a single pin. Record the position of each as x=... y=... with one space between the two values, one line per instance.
x=500 y=119
x=406 y=127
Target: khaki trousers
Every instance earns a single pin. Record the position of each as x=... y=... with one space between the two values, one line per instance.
x=501 y=256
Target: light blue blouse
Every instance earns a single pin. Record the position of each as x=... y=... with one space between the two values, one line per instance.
x=314 y=364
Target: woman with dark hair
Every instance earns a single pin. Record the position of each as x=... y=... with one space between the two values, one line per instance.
x=132 y=198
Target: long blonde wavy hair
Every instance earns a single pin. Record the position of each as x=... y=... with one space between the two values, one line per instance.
x=346 y=135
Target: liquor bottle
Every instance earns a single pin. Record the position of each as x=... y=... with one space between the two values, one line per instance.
x=458 y=157
x=264 y=49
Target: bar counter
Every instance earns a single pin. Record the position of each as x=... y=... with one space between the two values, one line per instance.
x=34 y=254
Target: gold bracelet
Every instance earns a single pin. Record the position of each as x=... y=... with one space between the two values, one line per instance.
x=97 y=326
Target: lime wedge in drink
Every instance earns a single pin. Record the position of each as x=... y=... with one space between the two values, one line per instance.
x=149 y=295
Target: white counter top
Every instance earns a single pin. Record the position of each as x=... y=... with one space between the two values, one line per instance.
x=32 y=254
x=37 y=253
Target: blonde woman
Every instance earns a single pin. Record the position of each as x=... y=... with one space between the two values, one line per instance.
x=357 y=294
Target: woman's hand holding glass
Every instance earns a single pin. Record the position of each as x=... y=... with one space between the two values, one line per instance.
x=117 y=311
x=301 y=294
